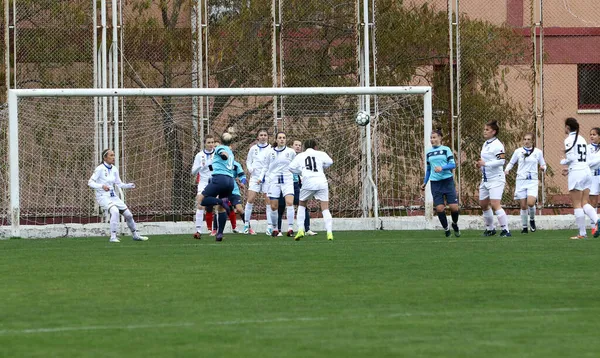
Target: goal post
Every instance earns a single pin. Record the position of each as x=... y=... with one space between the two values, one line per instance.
x=57 y=126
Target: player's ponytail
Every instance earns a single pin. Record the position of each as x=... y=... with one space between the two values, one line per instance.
x=573 y=126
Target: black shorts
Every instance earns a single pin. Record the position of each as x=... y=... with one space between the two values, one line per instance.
x=220 y=186
x=443 y=188
x=235 y=199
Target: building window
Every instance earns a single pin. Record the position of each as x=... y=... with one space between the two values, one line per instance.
x=588 y=86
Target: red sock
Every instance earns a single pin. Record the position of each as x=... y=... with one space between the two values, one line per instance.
x=232 y=219
x=209 y=220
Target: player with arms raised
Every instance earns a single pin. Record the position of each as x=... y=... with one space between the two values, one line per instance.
x=103 y=181
x=526 y=190
x=203 y=167
x=309 y=165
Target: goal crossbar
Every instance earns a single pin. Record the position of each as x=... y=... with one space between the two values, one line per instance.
x=15 y=94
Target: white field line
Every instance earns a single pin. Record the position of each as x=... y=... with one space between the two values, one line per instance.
x=91 y=328
x=399 y=241
x=535 y=311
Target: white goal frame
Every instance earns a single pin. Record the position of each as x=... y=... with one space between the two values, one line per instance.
x=15 y=94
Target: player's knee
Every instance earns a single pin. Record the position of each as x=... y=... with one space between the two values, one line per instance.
x=127 y=214
x=112 y=211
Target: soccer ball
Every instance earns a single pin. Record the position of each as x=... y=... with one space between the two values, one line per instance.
x=362 y=118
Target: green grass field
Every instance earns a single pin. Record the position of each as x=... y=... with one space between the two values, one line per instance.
x=367 y=294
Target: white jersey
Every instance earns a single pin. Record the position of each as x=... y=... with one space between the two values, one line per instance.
x=493 y=155
x=106 y=174
x=527 y=160
x=593 y=159
x=309 y=165
x=277 y=166
x=203 y=165
x=255 y=162
x=576 y=152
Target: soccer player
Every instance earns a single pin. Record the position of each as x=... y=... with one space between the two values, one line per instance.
x=526 y=191
x=297 y=146
x=579 y=177
x=309 y=165
x=254 y=165
x=593 y=161
x=202 y=167
x=441 y=159
x=220 y=187
x=276 y=172
x=236 y=196
x=104 y=179
x=493 y=180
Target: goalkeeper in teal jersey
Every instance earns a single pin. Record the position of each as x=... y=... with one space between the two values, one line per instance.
x=440 y=162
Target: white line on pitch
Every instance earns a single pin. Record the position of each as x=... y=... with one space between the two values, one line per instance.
x=91 y=328
x=294 y=319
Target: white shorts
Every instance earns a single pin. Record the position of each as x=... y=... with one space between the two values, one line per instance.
x=580 y=180
x=106 y=202
x=526 y=188
x=201 y=186
x=276 y=189
x=256 y=187
x=319 y=194
x=491 y=189
x=595 y=187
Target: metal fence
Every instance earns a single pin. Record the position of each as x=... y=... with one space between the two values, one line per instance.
x=527 y=63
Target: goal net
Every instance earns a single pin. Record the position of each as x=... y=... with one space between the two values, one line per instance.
x=56 y=137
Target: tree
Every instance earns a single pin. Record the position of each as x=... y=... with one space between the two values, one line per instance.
x=412 y=46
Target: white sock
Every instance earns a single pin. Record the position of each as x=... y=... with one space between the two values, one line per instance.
x=114 y=222
x=270 y=216
x=248 y=212
x=488 y=218
x=502 y=219
x=199 y=219
x=274 y=215
x=531 y=213
x=300 y=216
x=130 y=223
x=591 y=213
x=524 y=218
x=580 y=220
x=328 y=221
x=290 y=216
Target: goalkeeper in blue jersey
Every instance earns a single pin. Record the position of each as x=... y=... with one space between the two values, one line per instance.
x=218 y=191
x=440 y=162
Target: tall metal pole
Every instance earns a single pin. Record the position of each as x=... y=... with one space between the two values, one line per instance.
x=451 y=70
x=7 y=44
x=103 y=69
x=95 y=80
x=458 y=94
x=196 y=60
x=274 y=26
x=115 y=81
x=367 y=107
